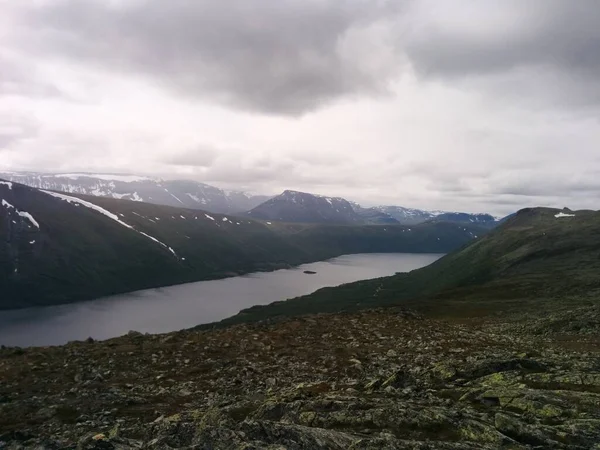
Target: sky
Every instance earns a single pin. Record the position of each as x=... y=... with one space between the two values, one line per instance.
x=471 y=105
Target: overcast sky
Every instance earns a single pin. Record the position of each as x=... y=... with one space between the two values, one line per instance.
x=475 y=105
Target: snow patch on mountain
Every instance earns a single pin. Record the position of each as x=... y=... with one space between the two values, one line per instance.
x=561 y=214
x=103 y=176
x=29 y=217
x=78 y=201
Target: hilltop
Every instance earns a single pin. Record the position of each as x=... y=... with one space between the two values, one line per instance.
x=294 y=206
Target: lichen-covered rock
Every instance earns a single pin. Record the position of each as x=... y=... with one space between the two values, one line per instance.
x=321 y=382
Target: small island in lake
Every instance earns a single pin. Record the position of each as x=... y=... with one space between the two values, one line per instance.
x=310 y=272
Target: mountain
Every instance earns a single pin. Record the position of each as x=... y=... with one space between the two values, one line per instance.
x=374 y=216
x=180 y=193
x=294 y=206
x=538 y=259
x=59 y=248
x=486 y=220
x=411 y=216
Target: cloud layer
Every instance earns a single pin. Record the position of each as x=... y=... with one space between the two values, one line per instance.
x=488 y=105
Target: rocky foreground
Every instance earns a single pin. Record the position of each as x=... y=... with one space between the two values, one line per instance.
x=373 y=380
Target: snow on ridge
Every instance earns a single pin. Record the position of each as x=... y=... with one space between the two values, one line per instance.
x=103 y=176
x=175 y=197
x=24 y=214
x=6 y=183
x=108 y=214
x=28 y=217
x=562 y=214
x=97 y=208
x=193 y=197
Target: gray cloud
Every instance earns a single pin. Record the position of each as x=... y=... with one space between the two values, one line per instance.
x=290 y=57
x=19 y=78
x=15 y=128
x=281 y=57
x=465 y=105
x=199 y=156
x=545 y=49
x=537 y=185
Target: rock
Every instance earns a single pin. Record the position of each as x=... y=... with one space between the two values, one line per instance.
x=367 y=380
x=522 y=432
x=46 y=413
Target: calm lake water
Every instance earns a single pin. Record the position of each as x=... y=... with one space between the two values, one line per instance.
x=186 y=305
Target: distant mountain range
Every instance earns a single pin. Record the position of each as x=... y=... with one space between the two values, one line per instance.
x=294 y=206
x=180 y=193
x=290 y=206
x=411 y=216
x=58 y=247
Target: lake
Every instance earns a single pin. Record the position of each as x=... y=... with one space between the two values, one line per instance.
x=186 y=305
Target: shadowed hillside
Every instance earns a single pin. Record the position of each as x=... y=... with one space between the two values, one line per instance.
x=539 y=258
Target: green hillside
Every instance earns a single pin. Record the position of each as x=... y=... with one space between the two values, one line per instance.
x=539 y=259
x=82 y=247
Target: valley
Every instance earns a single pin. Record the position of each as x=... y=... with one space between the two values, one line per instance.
x=538 y=260
x=83 y=247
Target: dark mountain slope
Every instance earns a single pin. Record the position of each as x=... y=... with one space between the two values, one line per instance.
x=539 y=258
x=56 y=248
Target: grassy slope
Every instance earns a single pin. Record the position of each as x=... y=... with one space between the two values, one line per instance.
x=80 y=254
x=532 y=261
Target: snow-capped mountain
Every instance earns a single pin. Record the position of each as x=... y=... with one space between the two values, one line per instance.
x=294 y=206
x=412 y=216
x=181 y=193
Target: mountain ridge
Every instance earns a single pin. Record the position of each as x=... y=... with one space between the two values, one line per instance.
x=182 y=193
x=197 y=195
x=304 y=207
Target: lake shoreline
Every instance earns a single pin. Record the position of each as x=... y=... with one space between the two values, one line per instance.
x=182 y=306
x=262 y=268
